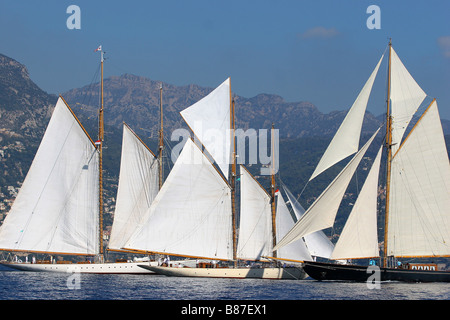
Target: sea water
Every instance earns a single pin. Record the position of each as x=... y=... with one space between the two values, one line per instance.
x=21 y=285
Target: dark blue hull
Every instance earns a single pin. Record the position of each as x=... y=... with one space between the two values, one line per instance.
x=329 y=271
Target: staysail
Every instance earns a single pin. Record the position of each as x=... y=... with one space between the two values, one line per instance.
x=359 y=238
x=138 y=186
x=321 y=214
x=56 y=210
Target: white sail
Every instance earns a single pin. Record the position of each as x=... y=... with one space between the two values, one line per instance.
x=406 y=96
x=359 y=237
x=346 y=140
x=191 y=214
x=138 y=186
x=317 y=242
x=57 y=208
x=419 y=223
x=255 y=226
x=321 y=214
x=209 y=119
x=284 y=223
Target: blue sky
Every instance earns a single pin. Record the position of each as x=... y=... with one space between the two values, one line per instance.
x=318 y=51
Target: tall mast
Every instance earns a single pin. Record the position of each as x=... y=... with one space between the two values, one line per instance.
x=161 y=140
x=389 y=155
x=272 y=187
x=233 y=178
x=100 y=157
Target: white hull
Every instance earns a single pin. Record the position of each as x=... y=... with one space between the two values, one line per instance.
x=291 y=273
x=105 y=268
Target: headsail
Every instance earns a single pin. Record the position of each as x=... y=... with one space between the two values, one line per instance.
x=138 y=186
x=321 y=214
x=359 y=237
x=191 y=214
x=209 y=119
x=346 y=140
x=419 y=223
x=56 y=209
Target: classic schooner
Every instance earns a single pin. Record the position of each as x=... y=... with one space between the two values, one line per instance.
x=417 y=219
x=58 y=210
x=194 y=214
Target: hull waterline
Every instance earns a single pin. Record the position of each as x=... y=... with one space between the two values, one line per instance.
x=329 y=271
x=291 y=273
x=94 y=268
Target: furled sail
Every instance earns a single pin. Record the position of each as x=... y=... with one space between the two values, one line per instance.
x=419 y=223
x=57 y=208
x=284 y=223
x=191 y=214
x=209 y=119
x=321 y=214
x=346 y=140
x=359 y=237
x=138 y=186
x=317 y=242
x=255 y=226
x=406 y=96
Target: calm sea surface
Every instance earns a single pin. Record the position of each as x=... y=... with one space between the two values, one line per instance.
x=18 y=285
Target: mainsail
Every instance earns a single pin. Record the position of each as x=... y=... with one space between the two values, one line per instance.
x=191 y=214
x=419 y=223
x=56 y=210
x=138 y=186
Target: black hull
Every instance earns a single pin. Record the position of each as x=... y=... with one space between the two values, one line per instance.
x=329 y=271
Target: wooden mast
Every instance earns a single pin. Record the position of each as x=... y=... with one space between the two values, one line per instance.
x=274 y=233
x=161 y=140
x=389 y=155
x=100 y=158
x=233 y=178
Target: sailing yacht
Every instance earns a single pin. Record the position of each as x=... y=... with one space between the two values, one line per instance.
x=194 y=213
x=58 y=210
x=417 y=220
